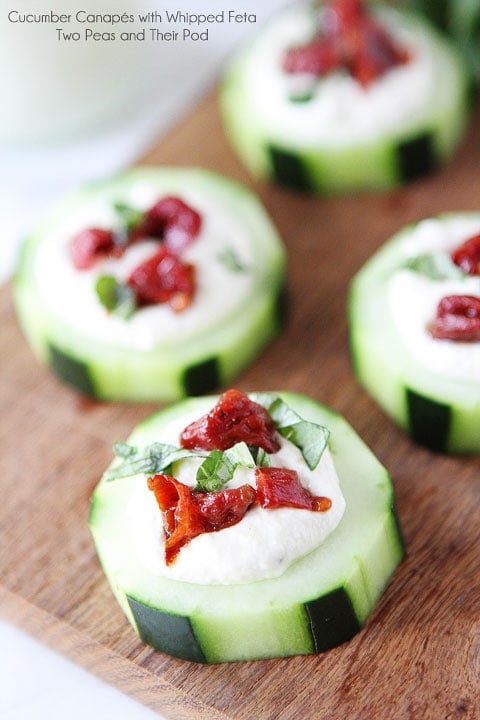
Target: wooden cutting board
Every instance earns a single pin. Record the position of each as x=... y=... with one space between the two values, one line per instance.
x=419 y=655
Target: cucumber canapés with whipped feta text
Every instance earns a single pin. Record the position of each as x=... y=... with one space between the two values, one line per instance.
x=157 y=284
x=247 y=526
x=414 y=314
x=344 y=95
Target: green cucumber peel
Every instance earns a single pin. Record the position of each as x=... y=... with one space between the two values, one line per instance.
x=310 y=438
x=435 y=266
x=115 y=296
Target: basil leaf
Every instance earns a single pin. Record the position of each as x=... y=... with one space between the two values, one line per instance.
x=115 y=296
x=230 y=259
x=435 y=266
x=310 y=438
x=260 y=456
x=150 y=460
x=218 y=468
x=301 y=97
x=128 y=218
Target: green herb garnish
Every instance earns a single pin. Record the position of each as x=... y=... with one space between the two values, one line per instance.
x=310 y=438
x=218 y=468
x=128 y=218
x=150 y=460
x=230 y=259
x=115 y=296
x=435 y=266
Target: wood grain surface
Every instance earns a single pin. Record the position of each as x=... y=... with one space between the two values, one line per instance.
x=418 y=658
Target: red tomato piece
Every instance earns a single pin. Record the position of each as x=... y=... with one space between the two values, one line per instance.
x=226 y=507
x=457 y=318
x=164 y=278
x=173 y=221
x=316 y=58
x=188 y=513
x=467 y=256
x=350 y=39
x=181 y=517
x=89 y=245
x=235 y=418
x=280 y=487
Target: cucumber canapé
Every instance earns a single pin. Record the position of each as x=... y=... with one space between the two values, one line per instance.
x=309 y=539
x=155 y=285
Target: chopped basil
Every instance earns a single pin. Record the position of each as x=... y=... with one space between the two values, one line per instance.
x=260 y=456
x=115 y=296
x=230 y=259
x=150 y=460
x=301 y=98
x=128 y=218
x=218 y=468
x=310 y=438
x=435 y=266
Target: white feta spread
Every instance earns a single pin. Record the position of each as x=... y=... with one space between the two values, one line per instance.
x=262 y=545
x=413 y=297
x=342 y=113
x=69 y=294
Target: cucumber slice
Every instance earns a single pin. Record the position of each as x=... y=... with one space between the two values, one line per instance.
x=320 y=601
x=343 y=138
x=429 y=387
x=156 y=354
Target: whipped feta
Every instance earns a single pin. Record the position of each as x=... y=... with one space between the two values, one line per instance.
x=262 y=545
x=413 y=297
x=341 y=113
x=69 y=294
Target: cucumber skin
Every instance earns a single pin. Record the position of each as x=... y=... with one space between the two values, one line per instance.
x=172 y=371
x=387 y=371
x=272 y=618
x=370 y=166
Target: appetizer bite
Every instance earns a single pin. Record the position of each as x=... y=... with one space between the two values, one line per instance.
x=414 y=314
x=161 y=283
x=341 y=95
x=245 y=527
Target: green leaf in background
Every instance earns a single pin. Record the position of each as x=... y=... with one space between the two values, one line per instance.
x=115 y=296
x=460 y=19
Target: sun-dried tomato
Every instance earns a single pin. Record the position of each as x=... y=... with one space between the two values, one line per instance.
x=163 y=278
x=173 y=221
x=188 y=513
x=316 y=58
x=457 y=318
x=350 y=39
x=467 y=256
x=170 y=220
x=89 y=245
x=235 y=418
x=280 y=487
